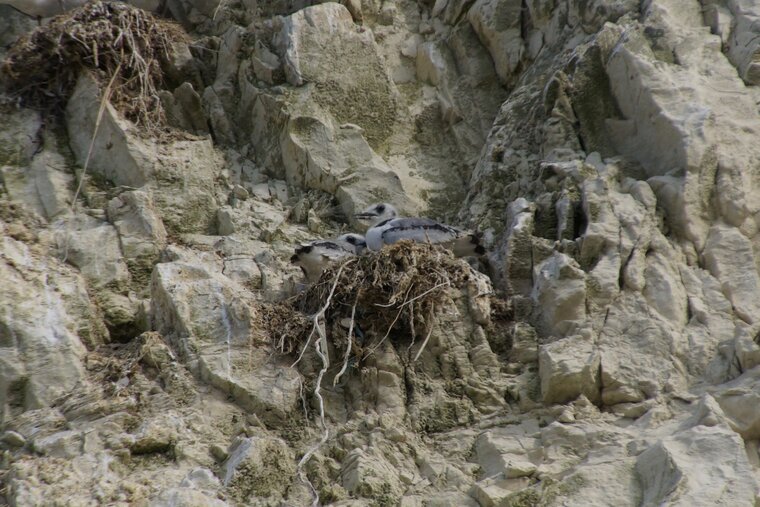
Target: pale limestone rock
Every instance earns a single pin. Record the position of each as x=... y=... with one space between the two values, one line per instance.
x=45 y=311
x=524 y=344
x=664 y=290
x=185 y=497
x=635 y=351
x=141 y=232
x=747 y=351
x=497 y=23
x=670 y=474
x=210 y=319
x=54 y=184
x=651 y=319
x=338 y=161
x=369 y=474
x=511 y=452
x=568 y=368
x=260 y=466
x=739 y=401
x=729 y=257
x=495 y=491
x=93 y=247
x=184 y=109
x=321 y=44
x=261 y=220
x=156 y=435
x=18 y=139
x=12 y=439
x=655 y=118
x=559 y=290
x=301 y=37
x=113 y=157
x=742 y=43
x=355 y=8
x=516 y=249
x=470 y=56
x=182 y=172
x=266 y=65
x=434 y=61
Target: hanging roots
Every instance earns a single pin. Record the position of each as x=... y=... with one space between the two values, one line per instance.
x=109 y=39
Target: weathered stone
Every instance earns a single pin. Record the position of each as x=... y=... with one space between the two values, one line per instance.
x=665 y=467
x=569 y=367
x=368 y=474
x=560 y=291
x=155 y=436
x=182 y=171
x=18 y=139
x=13 y=439
x=64 y=444
x=497 y=23
x=38 y=329
x=184 y=109
x=729 y=257
x=258 y=467
x=210 y=319
x=141 y=232
x=93 y=247
x=738 y=399
x=328 y=58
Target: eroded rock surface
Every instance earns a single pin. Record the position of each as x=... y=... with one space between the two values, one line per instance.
x=605 y=150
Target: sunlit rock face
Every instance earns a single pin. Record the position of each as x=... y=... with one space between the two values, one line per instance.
x=152 y=346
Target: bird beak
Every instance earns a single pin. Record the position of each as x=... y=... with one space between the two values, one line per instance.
x=294 y=259
x=365 y=216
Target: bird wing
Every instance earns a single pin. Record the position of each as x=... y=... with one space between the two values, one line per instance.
x=332 y=249
x=421 y=230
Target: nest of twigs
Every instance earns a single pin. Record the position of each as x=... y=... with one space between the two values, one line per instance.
x=118 y=43
x=398 y=288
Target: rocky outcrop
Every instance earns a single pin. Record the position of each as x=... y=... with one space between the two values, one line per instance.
x=606 y=152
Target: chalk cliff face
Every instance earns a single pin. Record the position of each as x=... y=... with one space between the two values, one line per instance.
x=607 y=150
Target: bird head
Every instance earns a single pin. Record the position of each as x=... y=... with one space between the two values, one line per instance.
x=377 y=213
x=355 y=240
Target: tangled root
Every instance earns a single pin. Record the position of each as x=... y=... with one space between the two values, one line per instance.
x=113 y=40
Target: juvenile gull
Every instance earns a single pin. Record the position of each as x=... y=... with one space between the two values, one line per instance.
x=386 y=227
x=315 y=256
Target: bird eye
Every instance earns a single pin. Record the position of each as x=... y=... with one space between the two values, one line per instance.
x=351 y=240
x=381 y=208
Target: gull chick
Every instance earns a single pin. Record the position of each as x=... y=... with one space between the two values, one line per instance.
x=386 y=227
x=315 y=256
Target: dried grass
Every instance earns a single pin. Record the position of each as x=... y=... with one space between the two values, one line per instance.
x=398 y=289
x=113 y=40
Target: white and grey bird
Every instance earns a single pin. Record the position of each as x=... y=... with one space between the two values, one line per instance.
x=315 y=256
x=386 y=228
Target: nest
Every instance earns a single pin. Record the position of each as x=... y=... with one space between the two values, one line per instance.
x=398 y=288
x=120 y=44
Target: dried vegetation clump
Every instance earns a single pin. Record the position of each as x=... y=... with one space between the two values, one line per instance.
x=120 y=44
x=399 y=287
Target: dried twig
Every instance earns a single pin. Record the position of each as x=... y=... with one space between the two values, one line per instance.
x=427 y=337
x=349 y=345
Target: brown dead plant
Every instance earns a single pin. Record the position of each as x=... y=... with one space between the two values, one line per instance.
x=115 y=41
x=398 y=289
